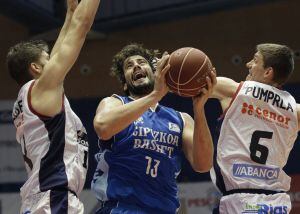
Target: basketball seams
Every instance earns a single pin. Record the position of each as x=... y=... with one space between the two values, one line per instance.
x=187 y=60
x=187 y=89
x=182 y=64
x=170 y=76
x=205 y=60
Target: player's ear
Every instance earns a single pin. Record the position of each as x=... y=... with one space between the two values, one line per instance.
x=269 y=73
x=35 y=69
x=125 y=87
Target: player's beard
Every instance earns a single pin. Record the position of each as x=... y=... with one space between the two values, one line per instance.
x=141 y=89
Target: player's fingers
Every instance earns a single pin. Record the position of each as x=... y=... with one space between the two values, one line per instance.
x=162 y=62
x=165 y=70
x=165 y=53
x=213 y=76
x=204 y=91
x=72 y=4
x=209 y=83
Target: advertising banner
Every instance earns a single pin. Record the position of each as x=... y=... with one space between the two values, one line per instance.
x=295 y=194
x=12 y=168
x=200 y=197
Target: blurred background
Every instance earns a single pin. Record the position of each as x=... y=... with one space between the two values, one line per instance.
x=226 y=30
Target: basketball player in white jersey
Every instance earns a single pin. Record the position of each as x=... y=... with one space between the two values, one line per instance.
x=52 y=137
x=260 y=126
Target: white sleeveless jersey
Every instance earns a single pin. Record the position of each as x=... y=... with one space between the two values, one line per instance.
x=55 y=149
x=258 y=132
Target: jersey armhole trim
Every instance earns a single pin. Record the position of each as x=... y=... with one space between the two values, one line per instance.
x=34 y=111
x=232 y=99
x=118 y=97
x=182 y=118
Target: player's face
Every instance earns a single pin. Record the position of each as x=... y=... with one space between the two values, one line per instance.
x=256 y=68
x=43 y=60
x=138 y=75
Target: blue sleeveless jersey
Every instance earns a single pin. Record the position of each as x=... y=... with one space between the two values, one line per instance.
x=140 y=164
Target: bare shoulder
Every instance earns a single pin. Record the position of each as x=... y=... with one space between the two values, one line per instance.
x=187 y=119
x=298 y=110
x=298 y=115
x=108 y=103
x=186 y=115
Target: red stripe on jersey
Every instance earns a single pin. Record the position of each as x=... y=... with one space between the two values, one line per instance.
x=232 y=99
x=33 y=110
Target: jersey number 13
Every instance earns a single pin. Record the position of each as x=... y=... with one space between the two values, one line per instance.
x=152 y=166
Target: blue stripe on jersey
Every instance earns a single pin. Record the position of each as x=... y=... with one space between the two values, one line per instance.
x=153 y=140
x=59 y=202
x=219 y=178
x=52 y=174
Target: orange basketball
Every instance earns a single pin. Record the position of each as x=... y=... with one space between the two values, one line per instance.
x=188 y=71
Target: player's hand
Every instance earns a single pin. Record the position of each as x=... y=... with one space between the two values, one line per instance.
x=200 y=100
x=160 y=86
x=71 y=5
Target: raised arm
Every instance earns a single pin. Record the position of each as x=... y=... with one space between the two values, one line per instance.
x=46 y=95
x=197 y=141
x=112 y=117
x=224 y=90
x=71 y=6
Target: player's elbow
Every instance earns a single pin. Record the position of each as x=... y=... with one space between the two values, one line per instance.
x=202 y=167
x=82 y=22
x=102 y=130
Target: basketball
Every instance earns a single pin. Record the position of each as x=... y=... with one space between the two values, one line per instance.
x=188 y=70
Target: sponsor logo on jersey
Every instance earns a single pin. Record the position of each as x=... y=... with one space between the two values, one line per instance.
x=82 y=138
x=18 y=109
x=140 y=120
x=174 y=127
x=149 y=139
x=17 y=114
x=256 y=172
x=261 y=208
x=268 y=97
x=265 y=114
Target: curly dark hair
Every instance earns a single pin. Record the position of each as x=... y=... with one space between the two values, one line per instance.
x=131 y=50
x=21 y=55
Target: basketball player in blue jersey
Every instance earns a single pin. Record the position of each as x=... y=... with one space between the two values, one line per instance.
x=259 y=127
x=144 y=142
x=52 y=137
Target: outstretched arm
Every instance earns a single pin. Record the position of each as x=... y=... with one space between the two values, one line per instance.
x=112 y=117
x=46 y=95
x=71 y=6
x=197 y=140
x=224 y=90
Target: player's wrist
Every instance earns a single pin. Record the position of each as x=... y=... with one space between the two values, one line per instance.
x=199 y=109
x=155 y=96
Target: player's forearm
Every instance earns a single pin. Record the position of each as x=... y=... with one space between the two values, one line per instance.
x=62 y=32
x=67 y=52
x=202 y=143
x=111 y=122
x=85 y=13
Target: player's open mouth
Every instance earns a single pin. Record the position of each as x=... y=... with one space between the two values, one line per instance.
x=138 y=75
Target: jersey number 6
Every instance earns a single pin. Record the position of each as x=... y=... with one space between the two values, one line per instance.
x=255 y=147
